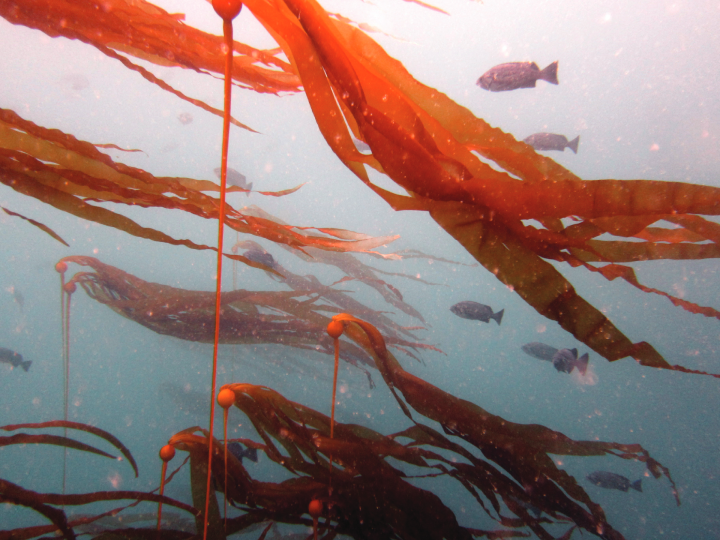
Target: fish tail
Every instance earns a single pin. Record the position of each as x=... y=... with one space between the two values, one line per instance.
x=637 y=485
x=249 y=189
x=26 y=365
x=549 y=74
x=498 y=316
x=582 y=363
x=573 y=145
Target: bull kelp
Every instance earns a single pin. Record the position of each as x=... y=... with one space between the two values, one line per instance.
x=301 y=264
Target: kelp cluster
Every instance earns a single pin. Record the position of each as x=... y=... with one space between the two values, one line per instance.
x=437 y=152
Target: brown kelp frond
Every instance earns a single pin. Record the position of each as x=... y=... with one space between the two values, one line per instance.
x=39 y=225
x=109 y=437
x=292 y=318
x=372 y=493
x=425 y=142
x=521 y=449
x=14 y=494
x=145 y=31
x=65 y=172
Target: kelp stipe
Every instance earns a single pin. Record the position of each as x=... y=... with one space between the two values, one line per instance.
x=227 y=10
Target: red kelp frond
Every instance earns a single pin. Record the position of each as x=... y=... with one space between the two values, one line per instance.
x=69 y=174
x=292 y=318
x=425 y=142
x=145 y=31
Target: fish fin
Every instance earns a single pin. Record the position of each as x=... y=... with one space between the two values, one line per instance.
x=26 y=365
x=637 y=485
x=498 y=316
x=582 y=363
x=574 y=353
x=530 y=84
x=549 y=74
x=573 y=145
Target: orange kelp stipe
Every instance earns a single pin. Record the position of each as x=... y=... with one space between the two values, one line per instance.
x=225 y=399
x=167 y=452
x=315 y=509
x=228 y=10
x=335 y=330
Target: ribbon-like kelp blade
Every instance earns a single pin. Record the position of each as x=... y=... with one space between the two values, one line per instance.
x=14 y=494
x=143 y=30
x=57 y=440
x=109 y=437
x=80 y=173
x=39 y=225
x=422 y=140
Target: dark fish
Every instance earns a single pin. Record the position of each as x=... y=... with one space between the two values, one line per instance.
x=476 y=312
x=610 y=480
x=235 y=178
x=540 y=350
x=552 y=141
x=260 y=256
x=566 y=359
x=14 y=359
x=240 y=452
x=517 y=75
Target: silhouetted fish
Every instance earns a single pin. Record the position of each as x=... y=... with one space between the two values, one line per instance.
x=566 y=359
x=552 y=141
x=476 y=312
x=260 y=256
x=14 y=359
x=240 y=452
x=516 y=75
x=610 y=480
x=235 y=178
x=540 y=350
x=18 y=297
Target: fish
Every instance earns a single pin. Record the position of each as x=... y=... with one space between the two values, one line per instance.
x=515 y=75
x=240 y=452
x=476 y=312
x=566 y=360
x=18 y=297
x=14 y=359
x=610 y=480
x=552 y=141
x=235 y=178
x=260 y=256
x=540 y=350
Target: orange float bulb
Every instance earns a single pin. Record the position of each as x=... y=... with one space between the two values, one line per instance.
x=227 y=9
x=335 y=329
x=315 y=509
x=61 y=267
x=226 y=398
x=70 y=287
x=167 y=452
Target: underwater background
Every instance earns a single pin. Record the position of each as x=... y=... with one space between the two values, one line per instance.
x=637 y=82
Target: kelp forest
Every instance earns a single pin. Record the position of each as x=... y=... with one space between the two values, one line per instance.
x=303 y=349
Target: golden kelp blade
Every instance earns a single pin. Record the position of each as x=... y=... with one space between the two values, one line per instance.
x=425 y=142
x=39 y=225
x=68 y=173
x=141 y=29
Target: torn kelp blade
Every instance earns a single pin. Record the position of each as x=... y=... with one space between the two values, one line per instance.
x=39 y=225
